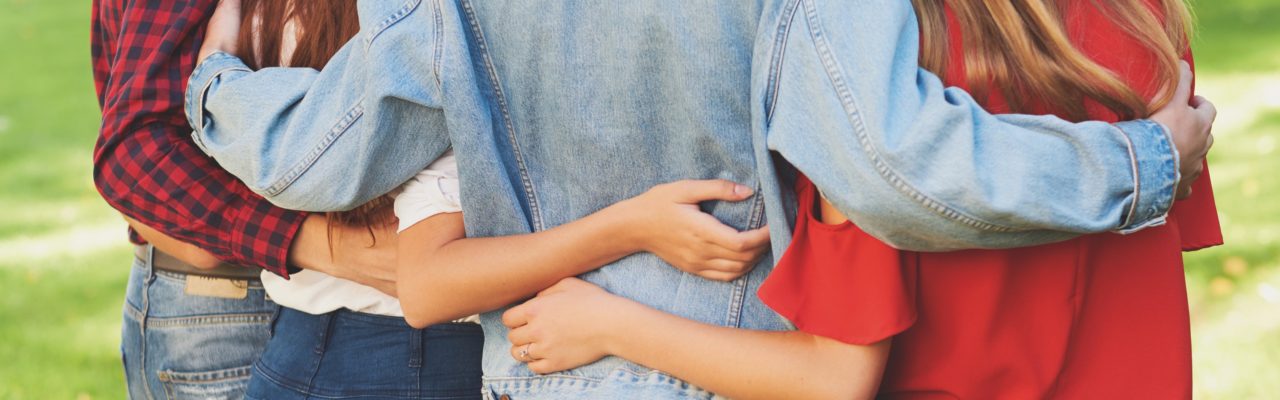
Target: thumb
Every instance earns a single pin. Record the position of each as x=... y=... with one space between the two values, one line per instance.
x=1182 y=95
x=697 y=191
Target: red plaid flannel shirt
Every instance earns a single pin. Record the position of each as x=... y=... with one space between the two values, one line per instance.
x=145 y=164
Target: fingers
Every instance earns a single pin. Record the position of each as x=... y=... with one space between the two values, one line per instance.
x=565 y=285
x=543 y=367
x=725 y=275
x=1182 y=95
x=517 y=316
x=713 y=231
x=756 y=245
x=524 y=353
x=697 y=191
x=1205 y=109
x=521 y=336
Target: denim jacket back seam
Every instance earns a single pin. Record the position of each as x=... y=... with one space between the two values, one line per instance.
x=778 y=54
x=500 y=98
x=739 y=294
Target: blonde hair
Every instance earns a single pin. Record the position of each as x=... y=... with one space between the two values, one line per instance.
x=1022 y=48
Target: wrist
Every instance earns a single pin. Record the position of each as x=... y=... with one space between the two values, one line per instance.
x=623 y=223
x=625 y=315
x=310 y=247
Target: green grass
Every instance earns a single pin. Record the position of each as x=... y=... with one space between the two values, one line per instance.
x=60 y=310
x=66 y=261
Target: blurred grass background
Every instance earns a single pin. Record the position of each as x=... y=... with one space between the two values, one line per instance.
x=64 y=258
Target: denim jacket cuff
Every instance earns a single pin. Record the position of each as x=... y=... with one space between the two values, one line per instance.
x=202 y=80
x=1155 y=172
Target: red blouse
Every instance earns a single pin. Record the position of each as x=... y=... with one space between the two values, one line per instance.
x=1100 y=316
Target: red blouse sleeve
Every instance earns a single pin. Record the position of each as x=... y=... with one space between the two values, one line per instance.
x=839 y=282
x=1197 y=216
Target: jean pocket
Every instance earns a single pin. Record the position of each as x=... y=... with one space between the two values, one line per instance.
x=227 y=383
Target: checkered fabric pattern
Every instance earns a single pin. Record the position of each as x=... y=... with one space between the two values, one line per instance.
x=145 y=164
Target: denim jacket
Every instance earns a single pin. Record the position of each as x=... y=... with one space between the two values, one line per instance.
x=558 y=109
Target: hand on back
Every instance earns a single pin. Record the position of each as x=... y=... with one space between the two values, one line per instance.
x=365 y=255
x=1190 y=122
x=667 y=222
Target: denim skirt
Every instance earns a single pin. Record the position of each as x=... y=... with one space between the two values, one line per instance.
x=346 y=354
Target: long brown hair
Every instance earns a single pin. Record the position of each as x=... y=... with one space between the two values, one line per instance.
x=322 y=27
x=1022 y=48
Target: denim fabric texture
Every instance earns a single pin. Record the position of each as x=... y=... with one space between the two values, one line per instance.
x=556 y=110
x=350 y=355
x=179 y=346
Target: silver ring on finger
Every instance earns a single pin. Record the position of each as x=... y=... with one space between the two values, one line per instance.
x=524 y=353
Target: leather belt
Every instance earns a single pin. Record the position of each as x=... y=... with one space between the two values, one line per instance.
x=165 y=262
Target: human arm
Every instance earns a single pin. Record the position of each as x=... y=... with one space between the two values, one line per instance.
x=371 y=117
x=445 y=276
x=575 y=323
x=145 y=165
x=923 y=167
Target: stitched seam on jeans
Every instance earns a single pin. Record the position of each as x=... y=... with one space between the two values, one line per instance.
x=279 y=380
x=836 y=75
x=206 y=320
x=174 y=277
x=215 y=376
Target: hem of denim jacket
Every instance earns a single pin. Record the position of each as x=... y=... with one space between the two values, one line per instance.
x=616 y=384
x=1156 y=174
x=198 y=85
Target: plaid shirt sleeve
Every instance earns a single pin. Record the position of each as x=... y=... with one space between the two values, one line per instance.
x=145 y=163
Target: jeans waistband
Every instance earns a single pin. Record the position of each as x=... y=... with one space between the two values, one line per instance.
x=165 y=262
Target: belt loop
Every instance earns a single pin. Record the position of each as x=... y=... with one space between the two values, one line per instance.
x=150 y=261
x=415 y=347
x=329 y=321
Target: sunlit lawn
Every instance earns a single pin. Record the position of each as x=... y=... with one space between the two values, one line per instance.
x=64 y=260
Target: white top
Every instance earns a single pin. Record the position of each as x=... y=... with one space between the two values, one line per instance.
x=433 y=191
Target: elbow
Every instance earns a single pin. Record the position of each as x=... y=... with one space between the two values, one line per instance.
x=419 y=312
x=421 y=302
x=416 y=321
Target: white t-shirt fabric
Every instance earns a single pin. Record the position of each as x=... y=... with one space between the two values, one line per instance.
x=433 y=191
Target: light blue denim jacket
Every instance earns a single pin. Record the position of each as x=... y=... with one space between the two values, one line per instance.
x=558 y=109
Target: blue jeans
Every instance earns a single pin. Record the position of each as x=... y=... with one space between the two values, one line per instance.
x=345 y=354
x=180 y=346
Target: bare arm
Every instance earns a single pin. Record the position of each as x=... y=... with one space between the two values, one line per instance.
x=444 y=275
x=355 y=255
x=365 y=255
x=575 y=323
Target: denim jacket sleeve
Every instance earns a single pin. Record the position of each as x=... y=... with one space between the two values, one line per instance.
x=333 y=139
x=924 y=167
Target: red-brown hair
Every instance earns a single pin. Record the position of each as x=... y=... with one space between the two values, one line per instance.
x=1021 y=49
x=322 y=27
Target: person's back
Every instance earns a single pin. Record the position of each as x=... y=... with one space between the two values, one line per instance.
x=587 y=120
x=557 y=112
